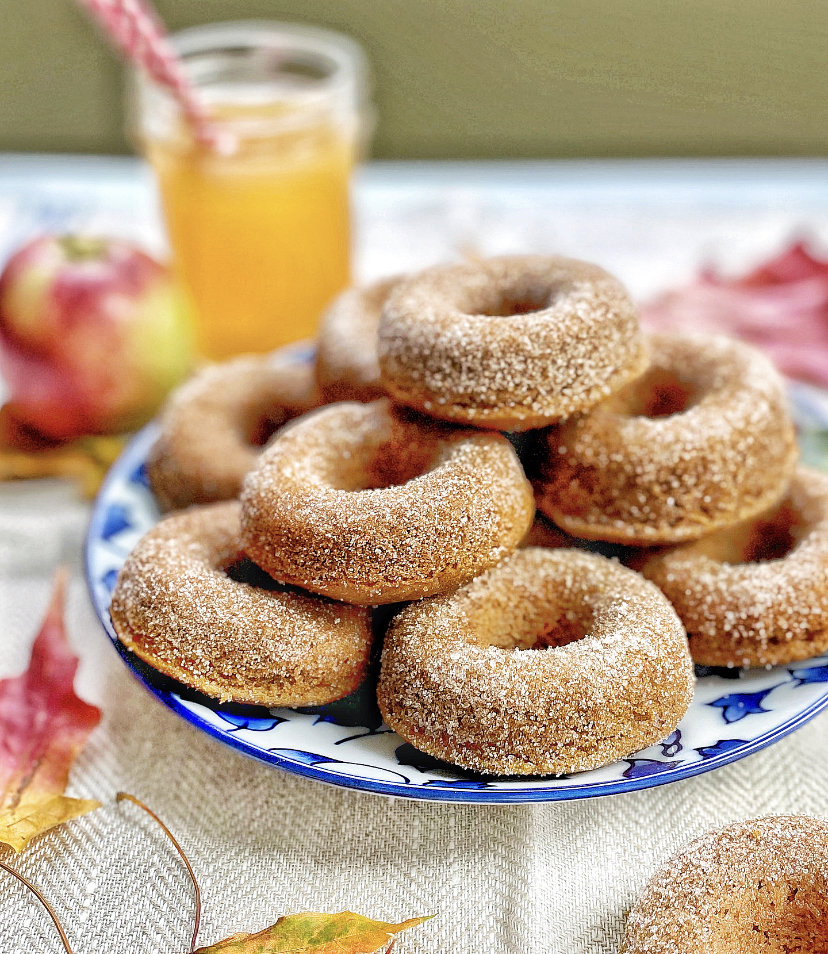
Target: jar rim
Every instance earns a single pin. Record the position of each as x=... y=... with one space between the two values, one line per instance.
x=333 y=75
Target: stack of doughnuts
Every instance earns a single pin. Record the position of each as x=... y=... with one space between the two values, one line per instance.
x=513 y=652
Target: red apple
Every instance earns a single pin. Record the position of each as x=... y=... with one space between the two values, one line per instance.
x=93 y=334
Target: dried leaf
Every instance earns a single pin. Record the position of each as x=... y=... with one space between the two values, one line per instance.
x=25 y=455
x=310 y=933
x=43 y=726
x=781 y=307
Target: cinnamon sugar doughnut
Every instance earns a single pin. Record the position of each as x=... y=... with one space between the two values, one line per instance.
x=214 y=425
x=347 y=367
x=369 y=504
x=700 y=442
x=554 y=661
x=755 y=887
x=509 y=343
x=756 y=594
x=177 y=606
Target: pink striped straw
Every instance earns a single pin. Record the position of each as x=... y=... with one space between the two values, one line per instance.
x=136 y=31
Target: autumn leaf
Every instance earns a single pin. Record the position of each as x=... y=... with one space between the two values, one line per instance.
x=25 y=455
x=43 y=726
x=309 y=933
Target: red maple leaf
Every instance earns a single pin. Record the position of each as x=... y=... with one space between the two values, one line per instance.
x=43 y=726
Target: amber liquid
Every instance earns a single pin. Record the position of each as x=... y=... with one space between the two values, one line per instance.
x=260 y=236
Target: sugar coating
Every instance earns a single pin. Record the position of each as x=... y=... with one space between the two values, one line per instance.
x=756 y=886
x=554 y=661
x=618 y=475
x=740 y=613
x=210 y=423
x=176 y=608
x=347 y=366
x=451 y=345
x=366 y=503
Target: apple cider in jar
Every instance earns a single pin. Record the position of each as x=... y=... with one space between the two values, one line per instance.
x=259 y=219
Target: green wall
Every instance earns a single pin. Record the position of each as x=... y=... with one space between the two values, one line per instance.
x=484 y=78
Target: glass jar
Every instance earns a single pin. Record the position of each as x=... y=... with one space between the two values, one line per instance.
x=259 y=222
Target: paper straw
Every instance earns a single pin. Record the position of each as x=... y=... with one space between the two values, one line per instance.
x=136 y=31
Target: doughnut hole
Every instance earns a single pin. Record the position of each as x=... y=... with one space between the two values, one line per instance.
x=659 y=392
x=264 y=425
x=384 y=456
x=763 y=540
x=513 y=298
x=540 y=620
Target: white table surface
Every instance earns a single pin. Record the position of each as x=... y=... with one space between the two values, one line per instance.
x=547 y=878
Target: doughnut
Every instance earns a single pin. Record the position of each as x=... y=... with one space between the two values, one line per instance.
x=755 y=887
x=347 y=367
x=702 y=441
x=554 y=661
x=212 y=427
x=756 y=594
x=181 y=605
x=370 y=504
x=509 y=343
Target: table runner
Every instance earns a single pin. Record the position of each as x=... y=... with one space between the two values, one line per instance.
x=556 y=878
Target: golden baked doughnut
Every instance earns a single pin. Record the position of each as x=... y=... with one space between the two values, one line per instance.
x=554 y=661
x=347 y=367
x=371 y=505
x=756 y=594
x=214 y=426
x=509 y=343
x=755 y=887
x=177 y=606
x=700 y=442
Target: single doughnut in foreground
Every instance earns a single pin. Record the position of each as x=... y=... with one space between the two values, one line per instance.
x=347 y=366
x=755 y=887
x=554 y=661
x=756 y=594
x=369 y=504
x=702 y=441
x=178 y=607
x=214 y=426
x=509 y=343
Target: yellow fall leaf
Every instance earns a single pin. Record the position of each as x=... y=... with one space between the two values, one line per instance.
x=31 y=818
x=86 y=460
x=343 y=933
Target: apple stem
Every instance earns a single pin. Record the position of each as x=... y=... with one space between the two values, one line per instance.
x=79 y=248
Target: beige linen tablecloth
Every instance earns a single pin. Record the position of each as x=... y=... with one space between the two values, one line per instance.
x=555 y=878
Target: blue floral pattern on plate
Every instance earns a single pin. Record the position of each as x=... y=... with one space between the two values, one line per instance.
x=733 y=714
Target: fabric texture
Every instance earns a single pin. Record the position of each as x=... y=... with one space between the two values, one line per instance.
x=554 y=878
